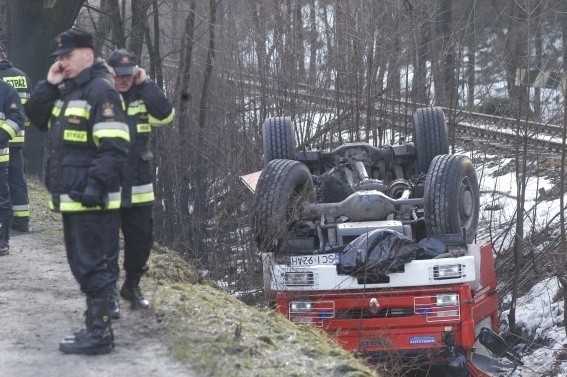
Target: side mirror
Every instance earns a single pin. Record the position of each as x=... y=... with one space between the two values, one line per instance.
x=497 y=345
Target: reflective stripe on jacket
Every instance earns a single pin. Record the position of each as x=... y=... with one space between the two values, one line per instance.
x=19 y=81
x=87 y=137
x=146 y=106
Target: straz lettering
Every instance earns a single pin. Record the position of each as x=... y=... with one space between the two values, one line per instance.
x=74 y=135
x=142 y=128
x=17 y=82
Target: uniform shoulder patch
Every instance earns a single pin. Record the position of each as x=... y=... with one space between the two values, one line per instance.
x=108 y=110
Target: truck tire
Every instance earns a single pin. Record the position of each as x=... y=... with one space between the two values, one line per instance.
x=429 y=136
x=451 y=197
x=282 y=187
x=278 y=139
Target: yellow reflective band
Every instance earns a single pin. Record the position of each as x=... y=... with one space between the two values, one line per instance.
x=57 y=108
x=75 y=135
x=18 y=82
x=6 y=127
x=4 y=154
x=21 y=213
x=143 y=193
x=78 y=108
x=161 y=122
x=143 y=198
x=17 y=139
x=110 y=129
x=69 y=205
x=15 y=126
x=136 y=107
x=143 y=128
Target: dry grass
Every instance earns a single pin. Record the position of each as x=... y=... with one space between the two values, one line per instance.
x=212 y=331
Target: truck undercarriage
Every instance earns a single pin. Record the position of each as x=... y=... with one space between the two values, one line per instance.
x=376 y=247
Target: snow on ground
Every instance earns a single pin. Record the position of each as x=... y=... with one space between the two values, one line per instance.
x=537 y=313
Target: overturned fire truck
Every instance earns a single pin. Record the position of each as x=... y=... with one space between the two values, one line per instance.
x=375 y=245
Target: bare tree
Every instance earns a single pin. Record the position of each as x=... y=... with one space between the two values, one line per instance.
x=47 y=23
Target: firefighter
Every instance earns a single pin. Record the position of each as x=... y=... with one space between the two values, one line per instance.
x=146 y=106
x=11 y=122
x=86 y=151
x=17 y=180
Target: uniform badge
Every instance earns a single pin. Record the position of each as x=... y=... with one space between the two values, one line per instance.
x=108 y=110
x=125 y=59
x=59 y=41
x=13 y=106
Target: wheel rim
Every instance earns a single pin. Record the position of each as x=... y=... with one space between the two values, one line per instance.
x=466 y=202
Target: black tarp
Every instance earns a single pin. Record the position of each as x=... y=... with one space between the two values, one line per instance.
x=375 y=254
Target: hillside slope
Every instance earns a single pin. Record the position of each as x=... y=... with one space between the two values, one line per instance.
x=192 y=329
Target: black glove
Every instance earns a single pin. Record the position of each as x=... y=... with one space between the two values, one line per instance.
x=92 y=196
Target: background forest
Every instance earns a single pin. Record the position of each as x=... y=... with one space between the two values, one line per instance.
x=343 y=70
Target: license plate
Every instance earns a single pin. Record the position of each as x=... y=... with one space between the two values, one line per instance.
x=311 y=260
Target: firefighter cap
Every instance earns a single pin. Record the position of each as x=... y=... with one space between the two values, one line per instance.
x=71 y=39
x=123 y=62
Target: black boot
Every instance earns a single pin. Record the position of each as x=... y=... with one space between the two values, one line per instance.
x=5 y=235
x=98 y=338
x=114 y=304
x=131 y=291
x=81 y=333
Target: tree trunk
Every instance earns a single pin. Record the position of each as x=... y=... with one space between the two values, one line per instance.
x=35 y=60
x=139 y=25
x=471 y=38
x=157 y=43
x=201 y=177
x=178 y=200
x=562 y=273
x=117 y=25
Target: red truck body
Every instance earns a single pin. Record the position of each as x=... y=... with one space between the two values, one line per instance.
x=403 y=322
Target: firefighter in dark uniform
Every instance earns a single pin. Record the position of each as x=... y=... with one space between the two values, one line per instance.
x=146 y=107
x=11 y=122
x=86 y=151
x=18 y=185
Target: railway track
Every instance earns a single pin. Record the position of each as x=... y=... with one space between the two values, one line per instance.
x=499 y=132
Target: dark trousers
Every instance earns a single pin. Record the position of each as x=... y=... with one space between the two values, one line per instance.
x=91 y=242
x=137 y=225
x=18 y=185
x=138 y=230
x=5 y=205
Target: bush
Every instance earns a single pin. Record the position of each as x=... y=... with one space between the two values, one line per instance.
x=500 y=106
